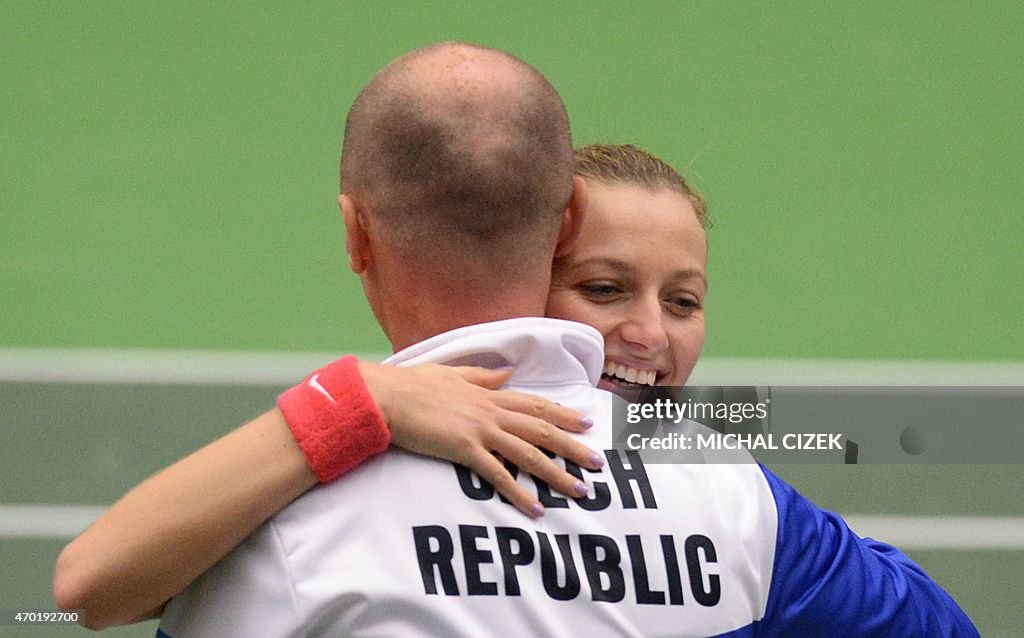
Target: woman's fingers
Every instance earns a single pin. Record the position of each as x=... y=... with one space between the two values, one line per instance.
x=540 y=408
x=484 y=377
x=541 y=434
x=494 y=472
x=524 y=456
x=525 y=423
x=458 y=414
x=563 y=417
x=533 y=461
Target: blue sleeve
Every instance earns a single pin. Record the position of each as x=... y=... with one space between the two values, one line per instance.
x=827 y=580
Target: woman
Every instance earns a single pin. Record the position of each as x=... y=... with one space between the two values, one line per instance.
x=636 y=273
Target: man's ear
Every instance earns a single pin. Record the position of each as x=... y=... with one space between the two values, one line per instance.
x=572 y=218
x=357 y=242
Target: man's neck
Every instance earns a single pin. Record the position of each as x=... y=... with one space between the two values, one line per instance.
x=413 y=304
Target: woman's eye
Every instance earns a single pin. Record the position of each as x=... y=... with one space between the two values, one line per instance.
x=682 y=305
x=600 y=290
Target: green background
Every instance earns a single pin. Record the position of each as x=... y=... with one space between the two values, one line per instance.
x=168 y=174
x=169 y=170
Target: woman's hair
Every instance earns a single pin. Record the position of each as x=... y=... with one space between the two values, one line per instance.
x=629 y=164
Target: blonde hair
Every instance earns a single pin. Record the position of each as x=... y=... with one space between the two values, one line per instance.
x=629 y=164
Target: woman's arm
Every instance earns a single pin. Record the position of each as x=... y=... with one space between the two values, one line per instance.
x=176 y=524
x=179 y=522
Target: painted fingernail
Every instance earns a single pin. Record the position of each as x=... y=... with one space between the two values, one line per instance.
x=580 y=488
x=597 y=459
x=537 y=510
x=586 y=422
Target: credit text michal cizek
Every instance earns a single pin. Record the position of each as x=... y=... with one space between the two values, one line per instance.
x=614 y=568
x=753 y=442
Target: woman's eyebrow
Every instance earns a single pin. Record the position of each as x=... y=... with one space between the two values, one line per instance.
x=618 y=265
x=690 y=273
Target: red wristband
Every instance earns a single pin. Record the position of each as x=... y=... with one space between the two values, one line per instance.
x=334 y=419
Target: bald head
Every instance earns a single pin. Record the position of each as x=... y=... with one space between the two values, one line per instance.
x=460 y=152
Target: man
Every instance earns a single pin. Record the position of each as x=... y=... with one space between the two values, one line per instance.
x=458 y=191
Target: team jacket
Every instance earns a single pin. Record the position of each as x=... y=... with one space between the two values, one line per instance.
x=411 y=546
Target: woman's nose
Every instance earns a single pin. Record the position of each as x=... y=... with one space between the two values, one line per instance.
x=644 y=326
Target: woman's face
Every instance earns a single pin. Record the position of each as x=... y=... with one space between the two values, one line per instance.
x=637 y=274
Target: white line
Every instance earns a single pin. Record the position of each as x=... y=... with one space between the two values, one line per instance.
x=282 y=368
x=199 y=367
x=942 y=532
x=849 y=372
x=906 y=532
x=46 y=521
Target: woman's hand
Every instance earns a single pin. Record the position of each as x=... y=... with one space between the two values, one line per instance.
x=458 y=414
